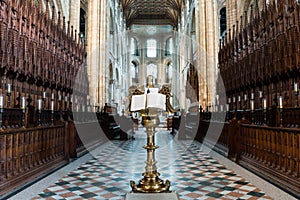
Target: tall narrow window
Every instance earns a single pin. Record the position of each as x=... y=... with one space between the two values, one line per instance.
x=134 y=72
x=169 y=47
x=151 y=48
x=169 y=70
x=222 y=21
x=152 y=70
x=134 y=47
x=82 y=25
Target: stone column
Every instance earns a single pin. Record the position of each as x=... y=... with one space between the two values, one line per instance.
x=216 y=41
x=183 y=69
x=142 y=66
x=210 y=49
x=103 y=53
x=232 y=14
x=93 y=50
x=75 y=14
x=201 y=55
x=176 y=71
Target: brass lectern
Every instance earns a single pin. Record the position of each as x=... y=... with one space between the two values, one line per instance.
x=151 y=183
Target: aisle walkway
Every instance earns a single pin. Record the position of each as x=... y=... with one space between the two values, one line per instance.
x=194 y=174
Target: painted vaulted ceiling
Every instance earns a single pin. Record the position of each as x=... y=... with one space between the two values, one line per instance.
x=152 y=12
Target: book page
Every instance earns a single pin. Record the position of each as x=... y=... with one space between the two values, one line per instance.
x=153 y=90
x=138 y=102
x=156 y=100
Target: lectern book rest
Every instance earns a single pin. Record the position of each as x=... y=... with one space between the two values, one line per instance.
x=150 y=100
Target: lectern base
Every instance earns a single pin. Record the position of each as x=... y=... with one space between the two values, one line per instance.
x=152 y=196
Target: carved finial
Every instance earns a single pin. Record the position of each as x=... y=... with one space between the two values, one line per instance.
x=69 y=29
x=58 y=28
x=257 y=10
x=53 y=15
x=47 y=10
x=40 y=4
x=64 y=24
x=245 y=19
x=58 y=20
x=252 y=13
x=233 y=31
x=79 y=38
x=72 y=33
x=241 y=26
x=76 y=36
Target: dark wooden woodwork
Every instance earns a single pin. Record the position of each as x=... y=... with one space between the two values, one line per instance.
x=110 y=123
x=25 y=152
x=176 y=121
x=38 y=54
x=273 y=153
x=270 y=151
x=261 y=55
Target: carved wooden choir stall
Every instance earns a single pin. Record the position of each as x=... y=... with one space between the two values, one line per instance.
x=40 y=58
x=260 y=68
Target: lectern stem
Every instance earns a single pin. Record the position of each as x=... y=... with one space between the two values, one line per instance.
x=151 y=183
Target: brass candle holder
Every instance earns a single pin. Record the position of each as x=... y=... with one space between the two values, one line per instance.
x=23 y=107
x=8 y=95
x=296 y=96
x=1 y=111
x=39 y=112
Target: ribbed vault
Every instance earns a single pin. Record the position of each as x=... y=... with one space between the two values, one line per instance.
x=152 y=12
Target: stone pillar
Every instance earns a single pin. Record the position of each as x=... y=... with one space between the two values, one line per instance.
x=216 y=34
x=207 y=39
x=75 y=14
x=201 y=55
x=183 y=70
x=93 y=50
x=216 y=41
x=176 y=71
x=231 y=11
x=210 y=48
x=143 y=64
x=163 y=71
x=103 y=52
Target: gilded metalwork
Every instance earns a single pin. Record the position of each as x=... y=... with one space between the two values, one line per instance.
x=165 y=89
x=151 y=183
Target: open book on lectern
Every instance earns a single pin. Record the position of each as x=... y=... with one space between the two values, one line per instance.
x=150 y=100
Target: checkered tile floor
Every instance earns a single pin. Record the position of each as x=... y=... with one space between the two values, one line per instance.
x=193 y=174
